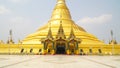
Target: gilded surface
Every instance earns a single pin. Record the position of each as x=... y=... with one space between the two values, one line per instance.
x=60 y=33
x=61 y=13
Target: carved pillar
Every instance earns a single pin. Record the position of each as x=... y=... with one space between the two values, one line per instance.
x=76 y=46
x=53 y=45
x=44 y=51
x=45 y=46
x=68 y=46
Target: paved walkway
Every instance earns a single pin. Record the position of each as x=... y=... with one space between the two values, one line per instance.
x=58 y=61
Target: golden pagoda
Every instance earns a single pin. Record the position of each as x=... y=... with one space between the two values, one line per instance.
x=61 y=13
x=60 y=36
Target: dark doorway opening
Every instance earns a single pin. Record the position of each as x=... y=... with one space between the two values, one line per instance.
x=40 y=50
x=22 y=50
x=90 y=50
x=49 y=51
x=60 y=49
x=81 y=51
x=31 y=50
x=100 y=51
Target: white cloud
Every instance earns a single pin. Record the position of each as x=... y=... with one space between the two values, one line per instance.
x=18 y=1
x=4 y=10
x=99 y=19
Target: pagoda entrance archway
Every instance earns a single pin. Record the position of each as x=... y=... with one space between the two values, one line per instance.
x=60 y=48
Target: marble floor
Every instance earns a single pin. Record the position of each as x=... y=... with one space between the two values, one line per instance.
x=58 y=61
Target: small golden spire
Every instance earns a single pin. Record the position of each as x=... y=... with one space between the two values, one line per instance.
x=49 y=32
x=72 y=35
x=60 y=1
x=60 y=33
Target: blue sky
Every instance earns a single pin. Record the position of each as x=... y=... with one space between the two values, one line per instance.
x=24 y=17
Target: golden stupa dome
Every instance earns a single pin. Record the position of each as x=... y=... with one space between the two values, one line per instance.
x=61 y=13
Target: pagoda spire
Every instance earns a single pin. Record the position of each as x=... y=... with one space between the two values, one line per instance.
x=112 y=34
x=50 y=32
x=60 y=34
x=60 y=1
x=72 y=35
x=61 y=9
x=10 y=40
x=113 y=40
x=10 y=35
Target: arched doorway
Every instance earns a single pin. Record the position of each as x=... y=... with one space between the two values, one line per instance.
x=60 y=48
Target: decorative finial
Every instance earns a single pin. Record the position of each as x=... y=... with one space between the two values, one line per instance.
x=10 y=34
x=61 y=1
x=112 y=34
x=10 y=31
x=10 y=40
